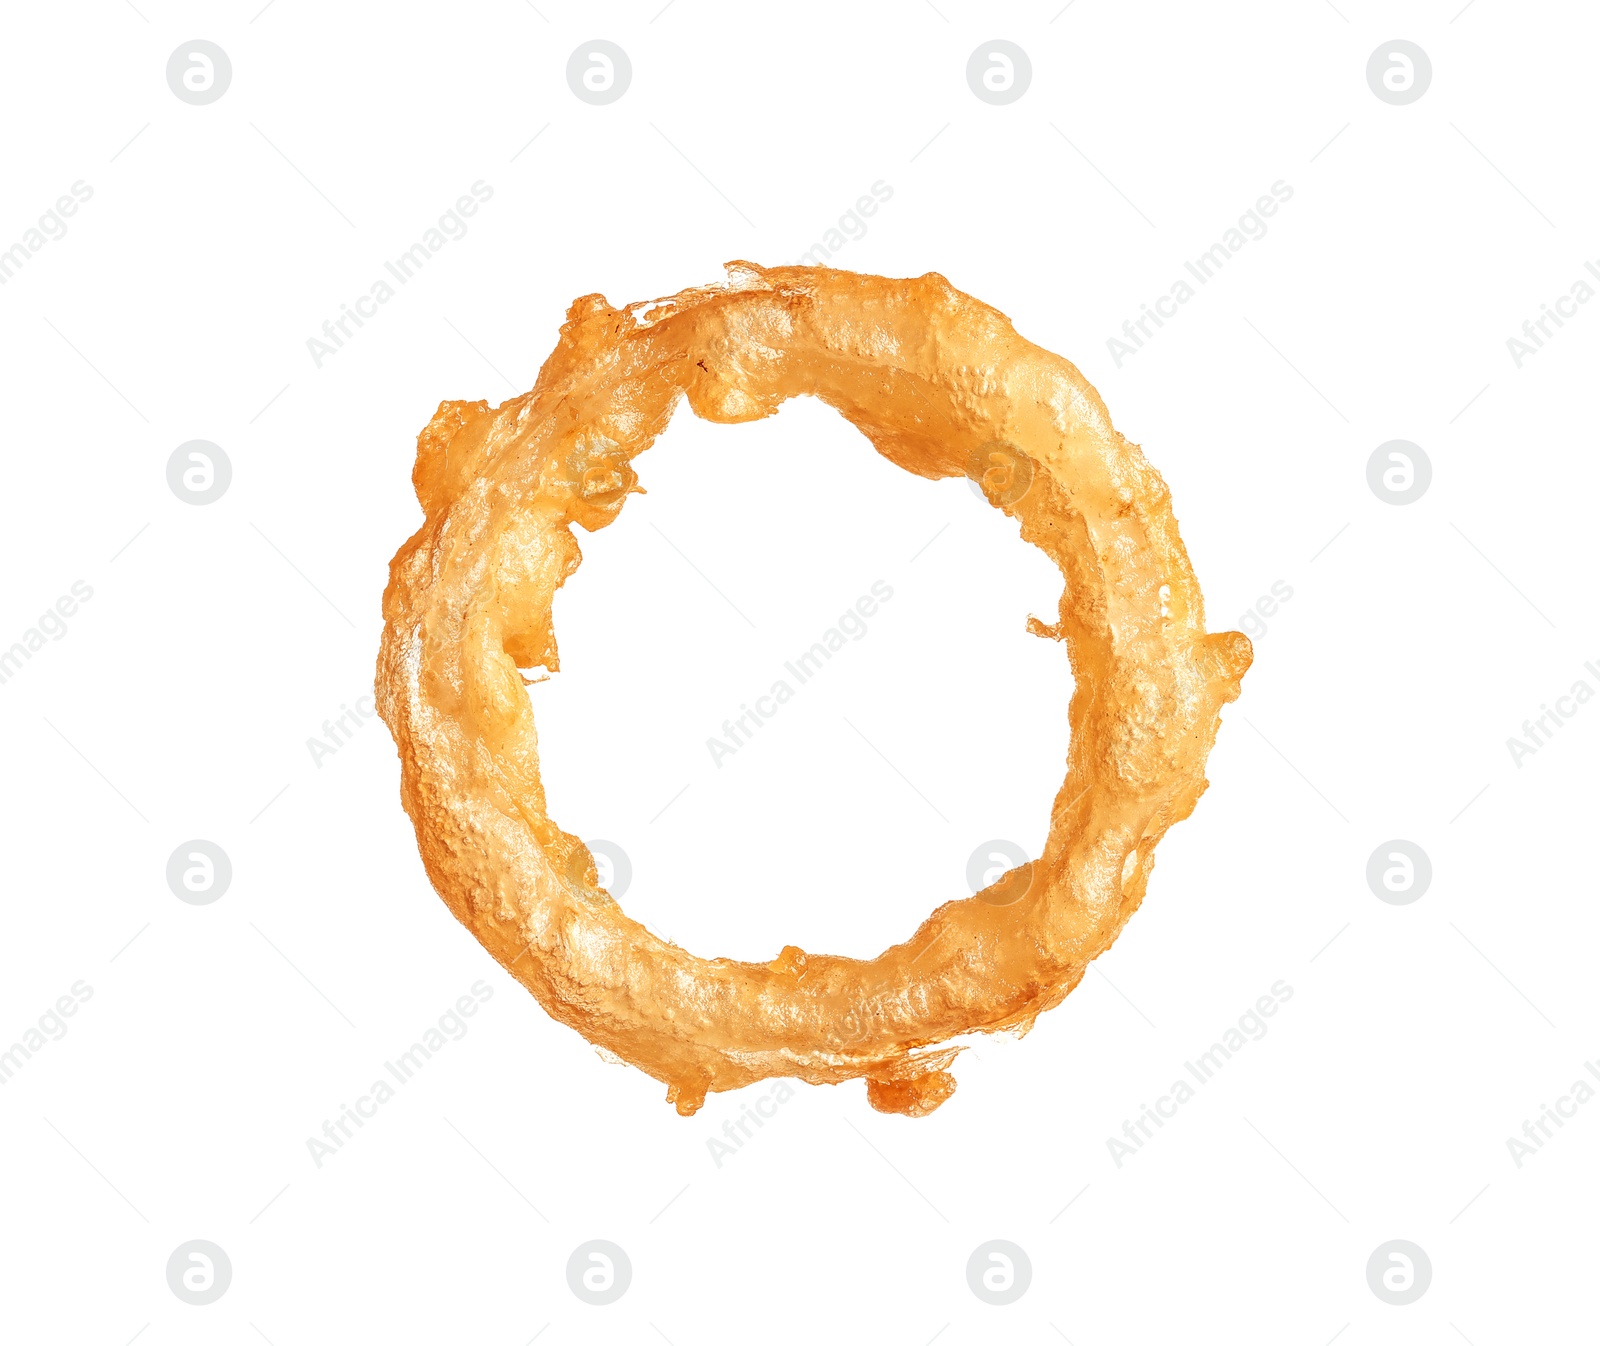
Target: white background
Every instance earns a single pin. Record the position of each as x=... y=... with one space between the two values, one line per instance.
x=179 y=702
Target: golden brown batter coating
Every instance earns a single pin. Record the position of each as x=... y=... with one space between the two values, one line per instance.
x=942 y=385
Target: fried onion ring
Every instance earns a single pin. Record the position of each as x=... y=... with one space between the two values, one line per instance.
x=941 y=385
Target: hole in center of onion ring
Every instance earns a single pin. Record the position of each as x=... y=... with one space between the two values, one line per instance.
x=911 y=729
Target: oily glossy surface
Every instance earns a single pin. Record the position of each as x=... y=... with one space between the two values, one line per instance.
x=940 y=384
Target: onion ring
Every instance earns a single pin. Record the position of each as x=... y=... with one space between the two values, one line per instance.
x=942 y=385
